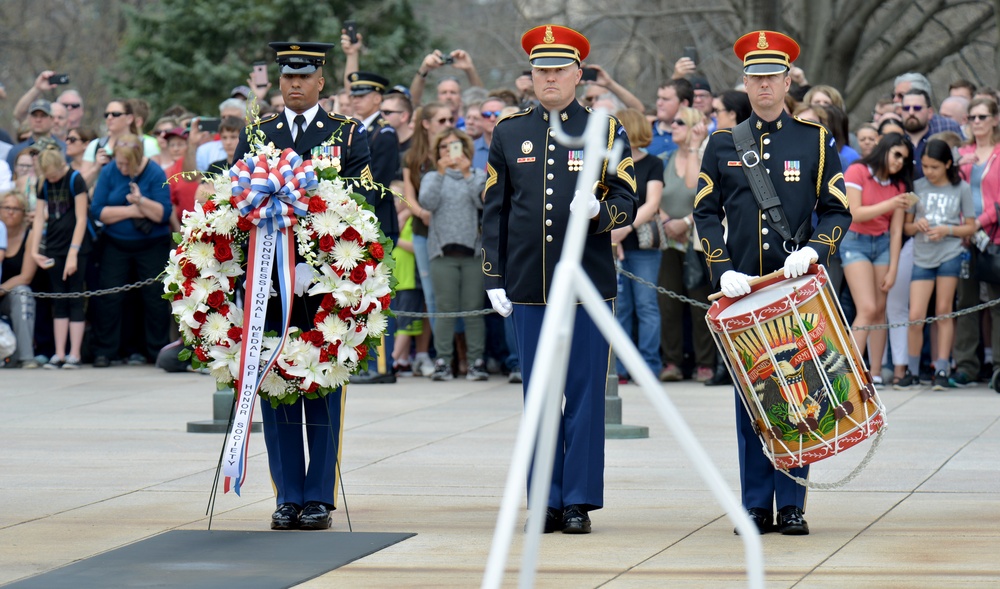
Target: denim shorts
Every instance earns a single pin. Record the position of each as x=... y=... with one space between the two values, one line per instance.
x=952 y=267
x=856 y=247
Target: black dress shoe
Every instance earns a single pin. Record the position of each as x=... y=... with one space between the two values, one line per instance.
x=315 y=516
x=720 y=378
x=575 y=520
x=286 y=517
x=791 y=522
x=553 y=521
x=101 y=362
x=762 y=518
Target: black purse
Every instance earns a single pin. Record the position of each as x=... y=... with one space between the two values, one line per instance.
x=988 y=260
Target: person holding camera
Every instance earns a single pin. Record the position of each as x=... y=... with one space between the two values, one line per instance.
x=132 y=199
x=449 y=90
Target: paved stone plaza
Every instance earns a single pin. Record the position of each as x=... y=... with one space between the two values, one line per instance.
x=98 y=459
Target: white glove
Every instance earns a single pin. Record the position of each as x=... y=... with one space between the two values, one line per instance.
x=593 y=207
x=734 y=284
x=501 y=304
x=798 y=261
x=304 y=276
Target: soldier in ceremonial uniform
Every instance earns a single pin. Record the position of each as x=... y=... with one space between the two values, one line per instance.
x=530 y=184
x=800 y=158
x=383 y=143
x=307 y=495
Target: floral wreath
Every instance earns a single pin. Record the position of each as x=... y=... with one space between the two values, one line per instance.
x=336 y=234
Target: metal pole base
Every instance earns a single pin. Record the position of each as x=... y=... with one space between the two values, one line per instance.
x=222 y=403
x=617 y=431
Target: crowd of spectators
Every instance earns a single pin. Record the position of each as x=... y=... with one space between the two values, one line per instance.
x=83 y=209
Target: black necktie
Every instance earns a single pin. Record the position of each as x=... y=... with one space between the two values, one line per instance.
x=300 y=126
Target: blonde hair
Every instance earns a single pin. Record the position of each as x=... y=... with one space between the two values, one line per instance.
x=691 y=116
x=131 y=147
x=22 y=199
x=640 y=133
x=836 y=98
x=467 y=146
x=50 y=160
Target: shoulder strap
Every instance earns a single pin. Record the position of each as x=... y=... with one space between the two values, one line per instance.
x=760 y=183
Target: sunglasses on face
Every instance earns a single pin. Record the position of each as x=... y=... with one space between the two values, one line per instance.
x=979 y=117
x=448 y=120
x=114 y=114
x=679 y=122
x=72 y=139
x=912 y=108
x=897 y=155
x=490 y=114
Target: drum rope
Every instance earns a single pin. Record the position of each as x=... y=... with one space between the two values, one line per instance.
x=851 y=475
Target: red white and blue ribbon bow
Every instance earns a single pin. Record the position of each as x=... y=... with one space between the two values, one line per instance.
x=272 y=196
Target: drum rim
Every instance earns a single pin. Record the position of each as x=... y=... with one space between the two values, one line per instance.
x=811 y=288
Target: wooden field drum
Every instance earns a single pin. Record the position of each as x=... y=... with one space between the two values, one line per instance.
x=790 y=350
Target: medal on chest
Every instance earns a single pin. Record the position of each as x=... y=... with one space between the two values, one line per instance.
x=575 y=160
x=793 y=171
x=325 y=151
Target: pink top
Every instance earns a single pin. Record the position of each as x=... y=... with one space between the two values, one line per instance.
x=873 y=191
x=990 y=189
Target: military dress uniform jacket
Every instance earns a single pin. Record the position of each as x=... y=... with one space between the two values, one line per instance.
x=355 y=160
x=383 y=143
x=531 y=180
x=801 y=159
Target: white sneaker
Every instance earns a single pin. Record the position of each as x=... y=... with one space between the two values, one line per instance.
x=442 y=371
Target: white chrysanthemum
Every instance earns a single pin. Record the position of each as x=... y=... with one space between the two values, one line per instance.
x=327 y=224
x=222 y=375
x=332 y=328
x=368 y=226
x=273 y=385
x=337 y=374
x=377 y=323
x=224 y=220
x=201 y=254
x=347 y=254
x=216 y=328
x=270 y=343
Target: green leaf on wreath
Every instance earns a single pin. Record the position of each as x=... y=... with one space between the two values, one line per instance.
x=184 y=355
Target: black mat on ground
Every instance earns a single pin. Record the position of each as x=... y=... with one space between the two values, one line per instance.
x=195 y=559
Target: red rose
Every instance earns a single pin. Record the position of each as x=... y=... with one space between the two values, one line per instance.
x=385 y=300
x=333 y=349
x=376 y=251
x=200 y=316
x=200 y=353
x=320 y=317
x=244 y=224
x=317 y=205
x=345 y=314
x=314 y=337
x=223 y=252
x=312 y=388
x=327 y=303
x=235 y=333
x=224 y=310
x=189 y=270
x=207 y=238
x=326 y=243
x=351 y=235
x=362 y=351
x=208 y=207
x=358 y=275
x=216 y=299
x=188 y=287
x=324 y=356
x=232 y=282
x=371 y=307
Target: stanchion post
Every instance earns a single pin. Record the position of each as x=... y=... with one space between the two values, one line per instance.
x=222 y=404
x=613 y=428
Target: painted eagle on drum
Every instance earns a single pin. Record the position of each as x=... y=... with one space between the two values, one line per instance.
x=778 y=359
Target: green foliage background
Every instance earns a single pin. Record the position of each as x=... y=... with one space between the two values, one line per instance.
x=193 y=52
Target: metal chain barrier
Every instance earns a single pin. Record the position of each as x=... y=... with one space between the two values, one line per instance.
x=88 y=293
x=928 y=320
x=693 y=302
